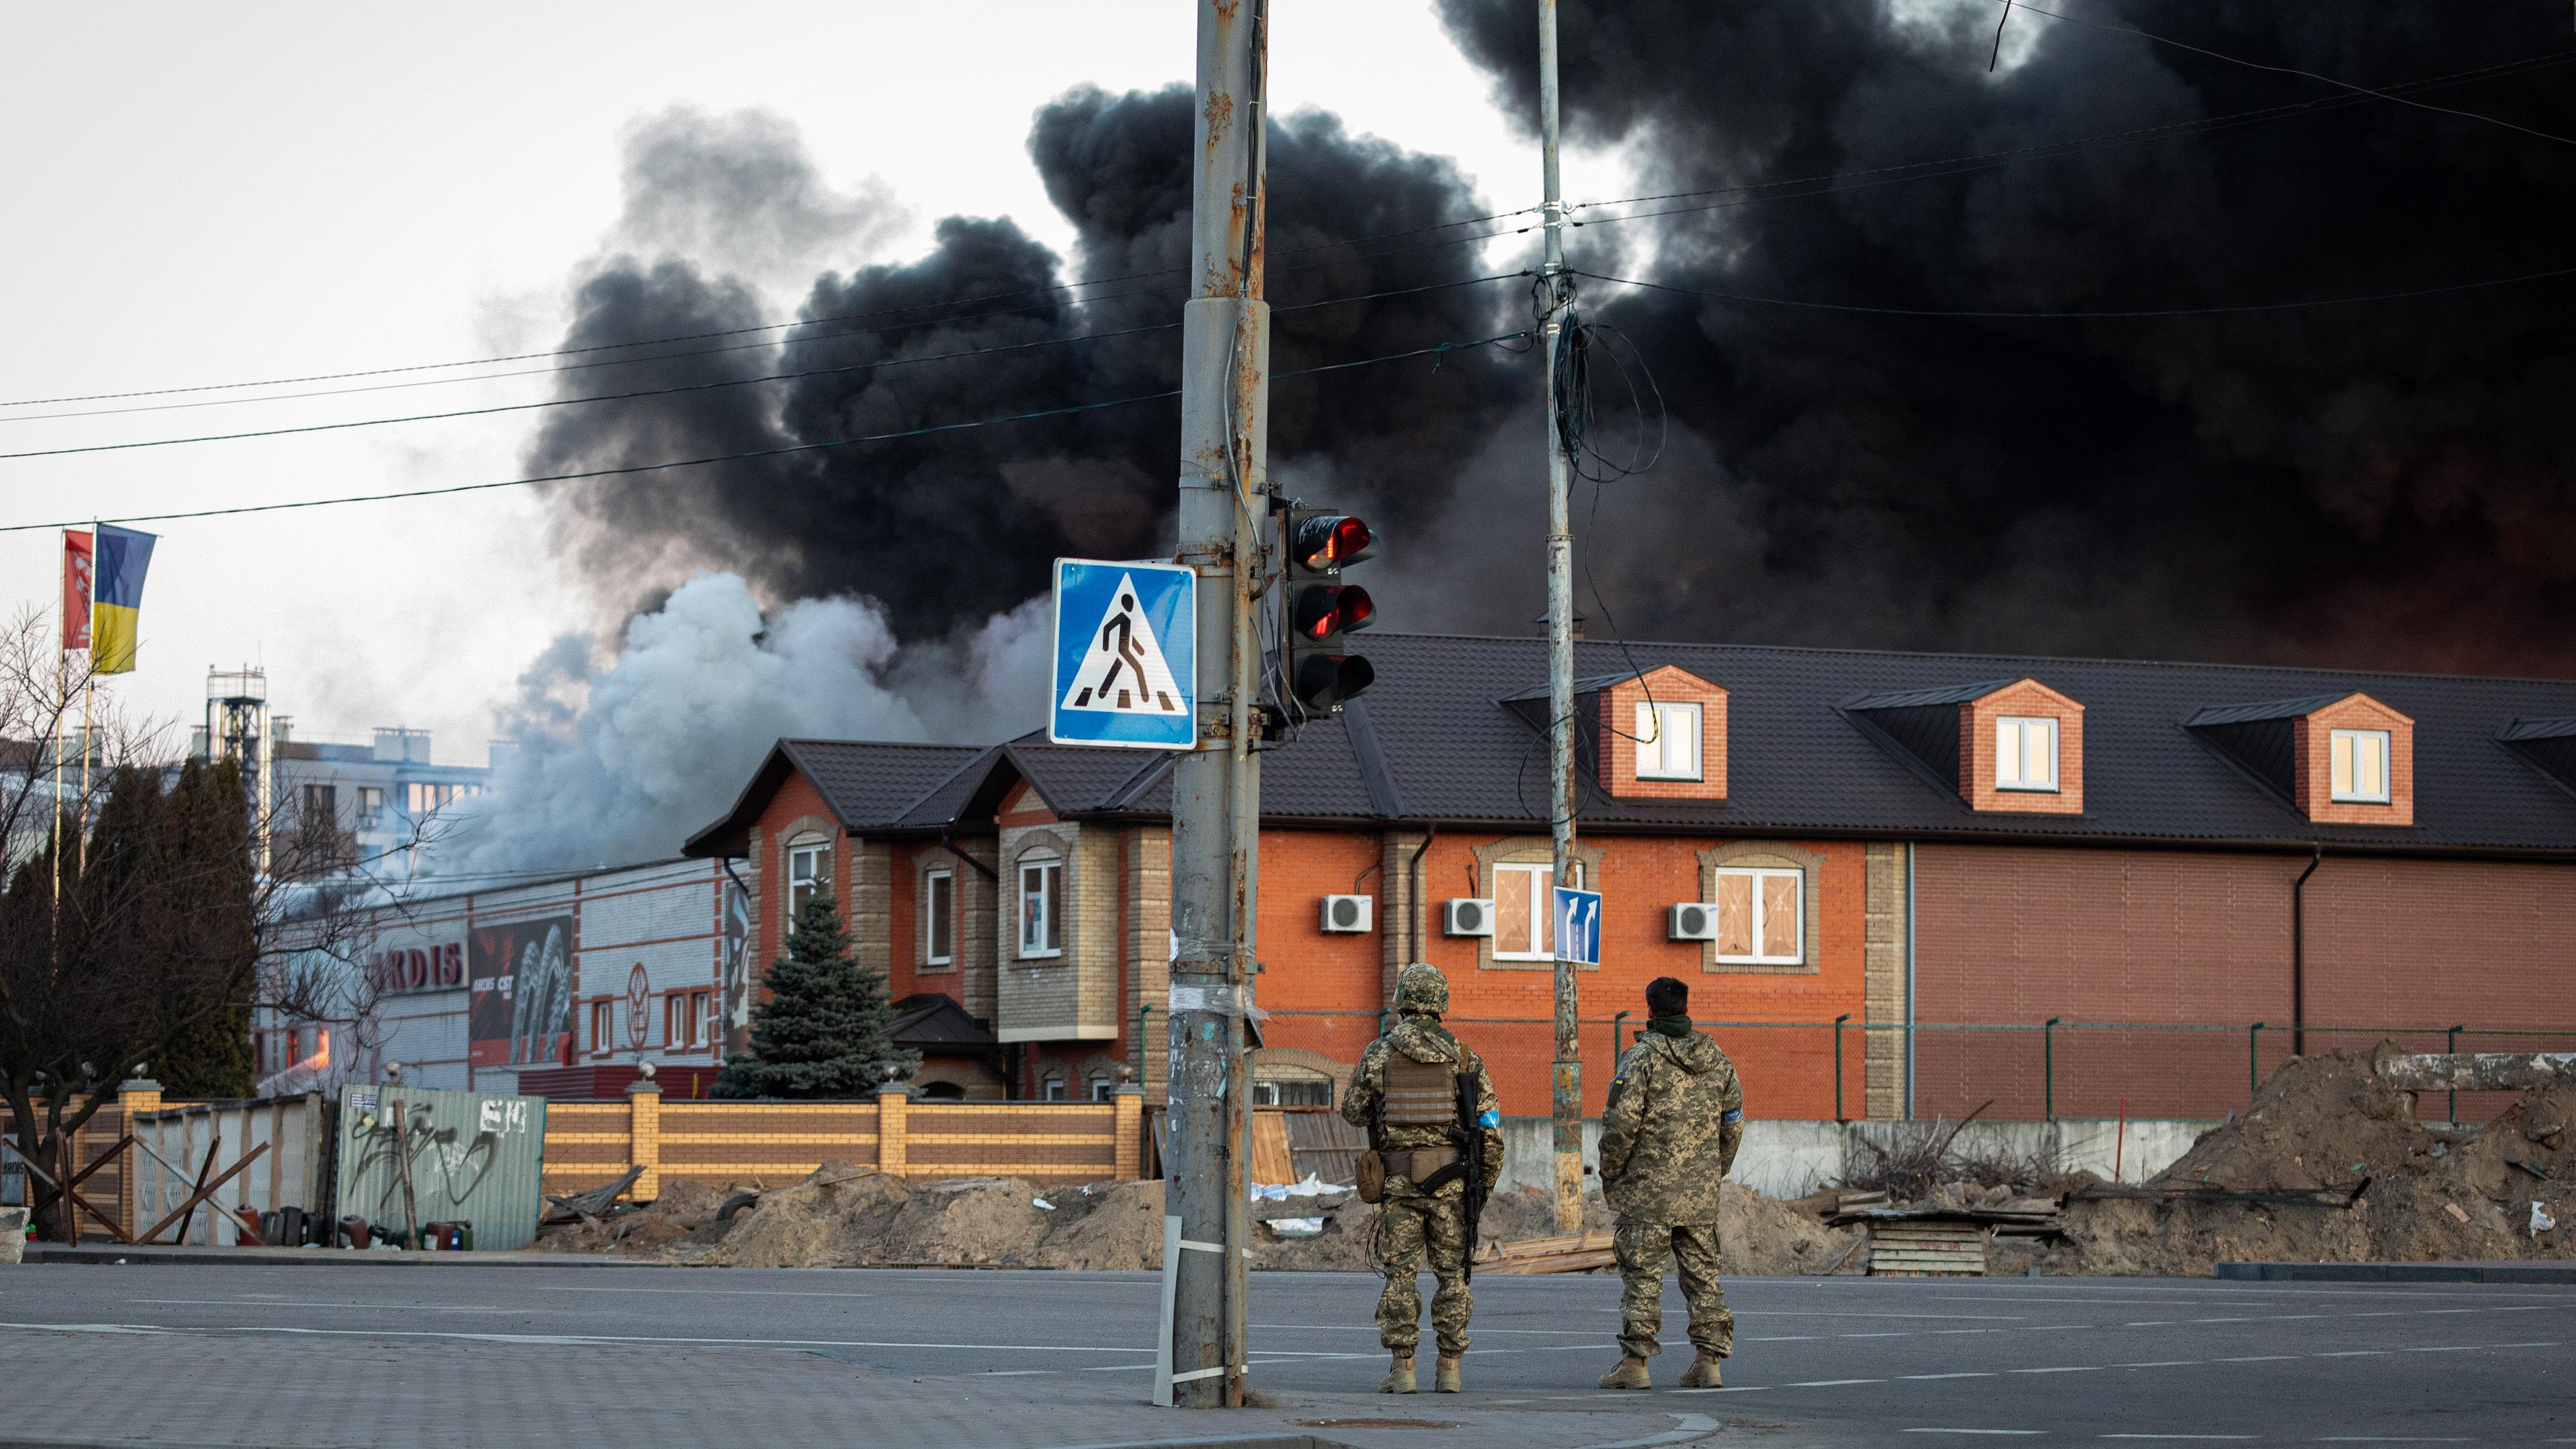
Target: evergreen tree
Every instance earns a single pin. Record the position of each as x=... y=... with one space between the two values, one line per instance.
x=822 y=1032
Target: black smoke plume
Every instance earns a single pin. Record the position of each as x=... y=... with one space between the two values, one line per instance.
x=949 y=530
x=2386 y=484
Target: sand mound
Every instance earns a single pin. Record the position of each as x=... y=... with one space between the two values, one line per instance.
x=828 y=1220
x=1115 y=1226
x=2329 y=1123
x=1764 y=1237
x=965 y=1220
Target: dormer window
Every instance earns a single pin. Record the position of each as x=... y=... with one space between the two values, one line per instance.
x=2359 y=767
x=2025 y=753
x=1667 y=741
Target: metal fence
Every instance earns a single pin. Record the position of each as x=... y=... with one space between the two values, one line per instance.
x=2027 y=1071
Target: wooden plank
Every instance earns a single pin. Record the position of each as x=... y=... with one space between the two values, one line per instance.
x=1271 y=1160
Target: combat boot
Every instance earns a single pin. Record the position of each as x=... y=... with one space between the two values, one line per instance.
x=1399 y=1376
x=1703 y=1373
x=1630 y=1374
x=1444 y=1378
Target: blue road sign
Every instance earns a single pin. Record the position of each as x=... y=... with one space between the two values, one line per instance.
x=1126 y=655
x=1578 y=926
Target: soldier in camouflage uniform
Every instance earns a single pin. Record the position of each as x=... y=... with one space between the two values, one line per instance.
x=1405 y=1093
x=1675 y=1118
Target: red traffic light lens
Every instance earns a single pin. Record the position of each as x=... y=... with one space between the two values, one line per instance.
x=1330 y=540
x=1328 y=609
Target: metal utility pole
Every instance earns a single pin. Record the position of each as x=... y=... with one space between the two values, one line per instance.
x=1216 y=788
x=1560 y=642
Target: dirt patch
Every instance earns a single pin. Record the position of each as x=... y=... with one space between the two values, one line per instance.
x=828 y=1220
x=1107 y=1227
x=2328 y=1123
x=1764 y=1237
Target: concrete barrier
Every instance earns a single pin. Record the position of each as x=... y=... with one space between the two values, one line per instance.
x=1788 y=1159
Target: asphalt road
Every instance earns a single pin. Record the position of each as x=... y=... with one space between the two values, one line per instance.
x=1843 y=1360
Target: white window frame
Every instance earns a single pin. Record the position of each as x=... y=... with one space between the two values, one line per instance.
x=1053 y=1089
x=1102 y=1086
x=1662 y=725
x=603 y=1026
x=933 y=917
x=813 y=856
x=1049 y=914
x=1761 y=918
x=1542 y=907
x=2344 y=761
x=2013 y=738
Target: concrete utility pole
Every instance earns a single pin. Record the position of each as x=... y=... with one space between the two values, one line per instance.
x=1560 y=644
x=1216 y=788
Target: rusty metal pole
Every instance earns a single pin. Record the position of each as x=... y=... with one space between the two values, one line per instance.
x=1225 y=357
x=1568 y=1095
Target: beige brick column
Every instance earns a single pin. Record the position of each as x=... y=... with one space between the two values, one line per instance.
x=1883 y=975
x=891 y=1102
x=644 y=1137
x=1130 y=1102
x=872 y=904
x=138 y=1095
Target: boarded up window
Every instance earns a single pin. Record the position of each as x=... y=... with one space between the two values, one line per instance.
x=1524 y=924
x=1761 y=916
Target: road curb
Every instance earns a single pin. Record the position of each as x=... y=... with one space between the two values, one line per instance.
x=2513 y=1272
x=111 y=1254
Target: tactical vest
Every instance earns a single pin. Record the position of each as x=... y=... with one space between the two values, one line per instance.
x=1420 y=1094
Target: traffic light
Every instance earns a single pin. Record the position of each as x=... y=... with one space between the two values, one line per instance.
x=1322 y=672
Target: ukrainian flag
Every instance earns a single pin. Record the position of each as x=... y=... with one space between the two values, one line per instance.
x=123 y=558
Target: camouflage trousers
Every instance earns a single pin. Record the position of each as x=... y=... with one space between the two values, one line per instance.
x=1641 y=1249
x=1408 y=1227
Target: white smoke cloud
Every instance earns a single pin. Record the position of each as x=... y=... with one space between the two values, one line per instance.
x=620 y=760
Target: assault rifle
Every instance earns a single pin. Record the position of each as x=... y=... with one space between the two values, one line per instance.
x=1471 y=1156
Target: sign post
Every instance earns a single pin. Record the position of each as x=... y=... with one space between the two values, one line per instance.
x=1126 y=655
x=1578 y=926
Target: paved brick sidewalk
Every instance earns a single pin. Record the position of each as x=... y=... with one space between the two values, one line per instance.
x=193 y=1391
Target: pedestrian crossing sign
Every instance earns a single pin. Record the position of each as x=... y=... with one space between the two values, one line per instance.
x=1126 y=655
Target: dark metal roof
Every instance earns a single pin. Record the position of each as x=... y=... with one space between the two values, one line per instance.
x=1920 y=698
x=868 y=785
x=932 y=1023
x=2265 y=712
x=1810 y=752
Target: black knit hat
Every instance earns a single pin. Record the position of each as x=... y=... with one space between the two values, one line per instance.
x=1666 y=996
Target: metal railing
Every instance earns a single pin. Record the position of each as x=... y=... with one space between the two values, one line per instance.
x=2029 y=1070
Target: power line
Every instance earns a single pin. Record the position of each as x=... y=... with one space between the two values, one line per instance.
x=720 y=383
x=2082 y=144
x=2384 y=95
x=1440 y=349
x=760 y=327
x=1751 y=299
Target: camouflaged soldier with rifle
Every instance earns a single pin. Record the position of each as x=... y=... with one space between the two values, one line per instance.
x=1435 y=1149
x=1668 y=1135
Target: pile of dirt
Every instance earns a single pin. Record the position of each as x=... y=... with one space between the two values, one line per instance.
x=684 y=1206
x=2327 y=1125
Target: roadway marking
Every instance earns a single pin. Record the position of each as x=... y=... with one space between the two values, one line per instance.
x=1969 y=1375
x=1972 y=1431
x=1830 y=1383
x=2077 y=1369
x=2182 y=1436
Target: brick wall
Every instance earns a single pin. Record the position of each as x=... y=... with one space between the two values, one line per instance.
x=2018 y=935
x=1788 y=1070
x=591 y=1143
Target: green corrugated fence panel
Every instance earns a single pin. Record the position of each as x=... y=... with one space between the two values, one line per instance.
x=473 y=1158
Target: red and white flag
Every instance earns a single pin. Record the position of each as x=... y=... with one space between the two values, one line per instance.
x=77 y=588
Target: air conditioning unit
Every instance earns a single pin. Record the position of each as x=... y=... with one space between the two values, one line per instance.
x=1467 y=916
x=1345 y=915
x=1692 y=921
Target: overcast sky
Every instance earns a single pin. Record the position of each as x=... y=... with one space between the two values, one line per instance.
x=213 y=194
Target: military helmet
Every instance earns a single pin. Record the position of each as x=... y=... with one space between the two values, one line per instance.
x=1421 y=987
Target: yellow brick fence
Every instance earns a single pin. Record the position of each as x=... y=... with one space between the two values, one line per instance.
x=589 y=1144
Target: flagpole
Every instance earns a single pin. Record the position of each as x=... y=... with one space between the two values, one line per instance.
x=89 y=689
x=62 y=685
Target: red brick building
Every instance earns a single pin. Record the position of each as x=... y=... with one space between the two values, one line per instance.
x=1943 y=852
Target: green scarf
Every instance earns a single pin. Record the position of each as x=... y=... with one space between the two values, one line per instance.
x=1669 y=1025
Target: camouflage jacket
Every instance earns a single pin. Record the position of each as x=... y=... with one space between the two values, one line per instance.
x=1424 y=1039
x=1675 y=1118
